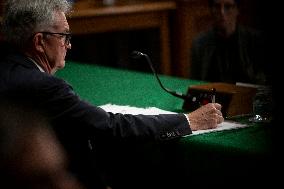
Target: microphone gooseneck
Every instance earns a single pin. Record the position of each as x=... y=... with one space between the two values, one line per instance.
x=137 y=54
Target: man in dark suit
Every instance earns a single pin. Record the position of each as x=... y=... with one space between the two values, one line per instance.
x=39 y=34
x=229 y=52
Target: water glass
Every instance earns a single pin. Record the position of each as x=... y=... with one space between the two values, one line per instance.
x=262 y=105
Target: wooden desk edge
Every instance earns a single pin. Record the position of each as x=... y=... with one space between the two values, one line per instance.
x=123 y=9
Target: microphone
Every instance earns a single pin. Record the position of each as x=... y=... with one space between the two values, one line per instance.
x=137 y=54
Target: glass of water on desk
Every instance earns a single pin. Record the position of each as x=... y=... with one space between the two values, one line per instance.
x=262 y=105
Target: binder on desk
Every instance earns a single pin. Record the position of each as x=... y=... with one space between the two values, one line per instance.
x=235 y=100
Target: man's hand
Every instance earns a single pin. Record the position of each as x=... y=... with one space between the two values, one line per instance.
x=206 y=117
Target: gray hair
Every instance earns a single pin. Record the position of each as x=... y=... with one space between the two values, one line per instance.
x=23 y=18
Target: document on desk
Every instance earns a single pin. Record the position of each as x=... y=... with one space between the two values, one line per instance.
x=226 y=125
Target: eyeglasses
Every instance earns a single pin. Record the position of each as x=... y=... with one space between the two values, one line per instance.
x=67 y=36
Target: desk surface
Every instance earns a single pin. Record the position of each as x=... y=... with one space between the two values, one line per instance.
x=101 y=85
x=220 y=150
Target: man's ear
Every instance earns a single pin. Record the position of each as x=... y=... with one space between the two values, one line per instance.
x=38 y=42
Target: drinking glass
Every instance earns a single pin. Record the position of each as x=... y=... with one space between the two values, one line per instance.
x=262 y=105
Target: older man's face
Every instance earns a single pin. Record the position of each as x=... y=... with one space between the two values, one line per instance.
x=57 y=45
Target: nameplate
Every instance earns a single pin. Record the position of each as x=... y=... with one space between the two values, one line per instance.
x=235 y=100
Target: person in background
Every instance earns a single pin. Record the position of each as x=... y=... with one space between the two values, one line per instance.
x=39 y=36
x=229 y=52
x=31 y=157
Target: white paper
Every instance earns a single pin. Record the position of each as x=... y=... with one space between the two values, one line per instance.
x=134 y=110
x=226 y=125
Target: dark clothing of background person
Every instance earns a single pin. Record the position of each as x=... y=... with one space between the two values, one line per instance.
x=238 y=58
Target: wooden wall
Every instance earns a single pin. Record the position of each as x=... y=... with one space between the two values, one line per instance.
x=188 y=19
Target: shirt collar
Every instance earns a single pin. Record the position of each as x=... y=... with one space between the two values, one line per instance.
x=36 y=65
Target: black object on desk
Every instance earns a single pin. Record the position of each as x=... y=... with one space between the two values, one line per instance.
x=235 y=100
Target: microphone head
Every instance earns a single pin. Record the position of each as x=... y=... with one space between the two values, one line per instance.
x=137 y=54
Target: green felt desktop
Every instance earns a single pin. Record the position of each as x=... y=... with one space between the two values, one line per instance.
x=219 y=154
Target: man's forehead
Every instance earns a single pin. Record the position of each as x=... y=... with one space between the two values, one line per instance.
x=61 y=21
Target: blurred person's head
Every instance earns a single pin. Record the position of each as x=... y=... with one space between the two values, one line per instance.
x=225 y=15
x=31 y=157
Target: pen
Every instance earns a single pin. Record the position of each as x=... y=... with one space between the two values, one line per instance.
x=213 y=95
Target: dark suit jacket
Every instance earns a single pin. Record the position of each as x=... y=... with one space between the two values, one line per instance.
x=80 y=126
x=242 y=58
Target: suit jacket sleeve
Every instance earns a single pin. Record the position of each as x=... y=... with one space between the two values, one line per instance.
x=66 y=109
x=69 y=108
